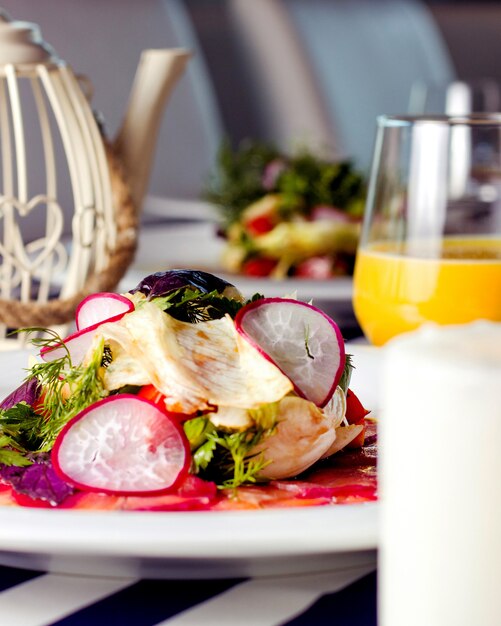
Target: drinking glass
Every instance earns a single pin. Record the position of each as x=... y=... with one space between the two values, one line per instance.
x=430 y=247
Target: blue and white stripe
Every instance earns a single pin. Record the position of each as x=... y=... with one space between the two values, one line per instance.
x=341 y=598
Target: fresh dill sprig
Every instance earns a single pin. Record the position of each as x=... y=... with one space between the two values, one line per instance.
x=44 y=338
x=238 y=462
x=196 y=306
x=226 y=457
x=191 y=305
x=84 y=387
x=344 y=381
x=67 y=390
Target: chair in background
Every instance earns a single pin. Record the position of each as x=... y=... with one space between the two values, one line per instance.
x=456 y=98
x=314 y=72
x=472 y=33
x=319 y=71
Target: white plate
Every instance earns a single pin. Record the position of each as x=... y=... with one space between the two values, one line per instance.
x=190 y=544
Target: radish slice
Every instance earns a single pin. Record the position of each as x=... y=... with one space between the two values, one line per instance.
x=77 y=345
x=102 y=307
x=122 y=445
x=302 y=341
x=91 y=313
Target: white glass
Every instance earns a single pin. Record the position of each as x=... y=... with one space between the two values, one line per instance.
x=440 y=428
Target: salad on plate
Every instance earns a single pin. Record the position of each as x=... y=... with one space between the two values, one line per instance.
x=182 y=395
x=287 y=215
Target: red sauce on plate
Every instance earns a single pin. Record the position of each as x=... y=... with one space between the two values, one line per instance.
x=348 y=477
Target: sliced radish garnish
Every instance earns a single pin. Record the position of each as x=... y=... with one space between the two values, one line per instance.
x=77 y=345
x=101 y=307
x=122 y=445
x=300 y=340
x=91 y=313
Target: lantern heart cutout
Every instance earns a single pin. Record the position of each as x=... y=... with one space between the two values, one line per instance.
x=13 y=211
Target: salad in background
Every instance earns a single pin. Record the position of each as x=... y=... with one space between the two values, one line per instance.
x=287 y=215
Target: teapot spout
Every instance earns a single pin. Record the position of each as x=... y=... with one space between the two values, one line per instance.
x=155 y=79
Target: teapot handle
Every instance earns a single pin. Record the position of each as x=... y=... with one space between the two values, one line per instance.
x=156 y=77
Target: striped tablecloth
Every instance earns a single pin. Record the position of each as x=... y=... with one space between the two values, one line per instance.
x=342 y=598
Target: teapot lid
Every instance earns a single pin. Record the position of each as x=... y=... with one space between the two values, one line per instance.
x=22 y=43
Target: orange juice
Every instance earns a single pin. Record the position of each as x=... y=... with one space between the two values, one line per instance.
x=396 y=291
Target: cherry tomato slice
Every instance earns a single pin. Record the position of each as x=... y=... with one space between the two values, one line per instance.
x=355 y=411
x=260 y=225
x=259 y=266
x=151 y=393
x=355 y=414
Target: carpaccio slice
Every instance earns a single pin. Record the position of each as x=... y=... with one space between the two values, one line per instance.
x=348 y=477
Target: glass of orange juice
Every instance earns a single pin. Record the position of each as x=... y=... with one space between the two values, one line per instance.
x=430 y=248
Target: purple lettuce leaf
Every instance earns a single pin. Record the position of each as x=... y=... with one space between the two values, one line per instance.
x=160 y=283
x=28 y=392
x=38 y=481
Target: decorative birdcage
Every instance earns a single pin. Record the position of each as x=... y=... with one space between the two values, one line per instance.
x=68 y=208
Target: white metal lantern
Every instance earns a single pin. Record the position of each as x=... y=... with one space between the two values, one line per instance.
x=52 y=255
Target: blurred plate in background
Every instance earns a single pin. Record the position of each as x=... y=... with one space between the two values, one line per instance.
x=155 y=207
x=195 y=245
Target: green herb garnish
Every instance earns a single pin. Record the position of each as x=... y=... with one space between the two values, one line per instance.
x=344 y=382
x=238 y=179
x=9 y=455
x=226 y=457
x=13 y=457
x=68 y=388
x=22 y=426
x=302 y=181
x=236 y=460
x=191 y=305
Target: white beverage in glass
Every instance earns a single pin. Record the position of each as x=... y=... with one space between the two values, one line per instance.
x=440 y=467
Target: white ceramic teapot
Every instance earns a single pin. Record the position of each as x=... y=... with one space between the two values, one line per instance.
x=107 y=179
